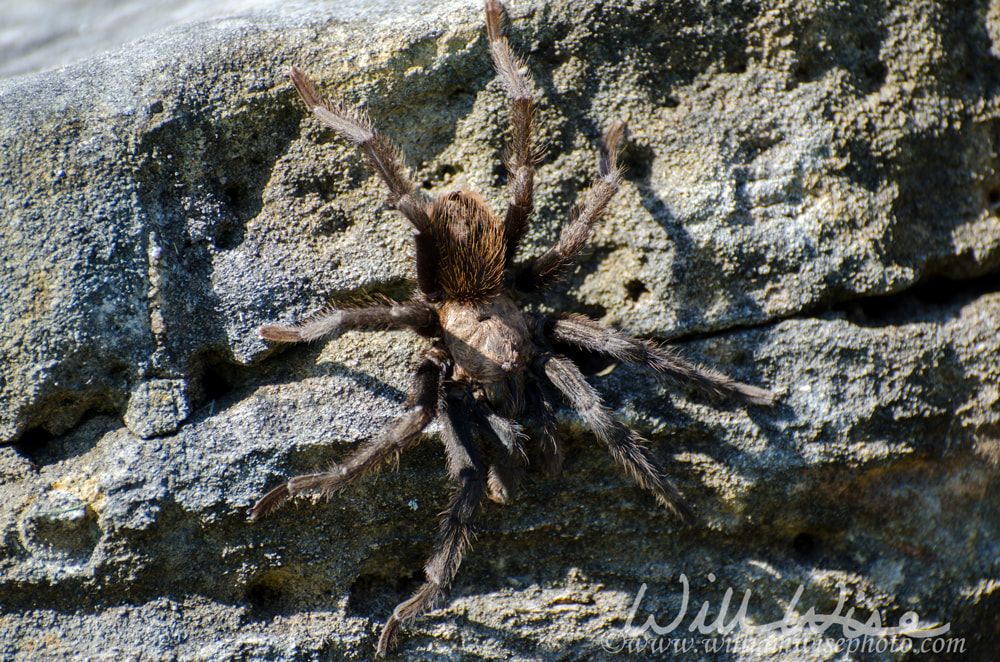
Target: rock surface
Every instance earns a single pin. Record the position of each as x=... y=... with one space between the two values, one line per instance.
x=810 y=204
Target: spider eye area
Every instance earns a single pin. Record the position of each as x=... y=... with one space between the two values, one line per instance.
x=488 y=339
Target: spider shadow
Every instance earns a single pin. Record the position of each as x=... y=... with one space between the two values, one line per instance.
x=297 y=360
x=691 y=258
x=696 y=341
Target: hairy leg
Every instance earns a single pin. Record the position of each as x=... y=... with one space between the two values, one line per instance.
x=590 y=334
x=384 y=158
x=522 y=156
x=414 y=315
x=509 y=460
x=544 y=269
x=626 y=446
x=464 y=466
x=404 y=432
x=548 y=441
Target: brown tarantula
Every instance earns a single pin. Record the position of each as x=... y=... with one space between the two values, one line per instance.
x=491 y=364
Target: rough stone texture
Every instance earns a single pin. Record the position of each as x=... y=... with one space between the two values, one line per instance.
x=810 y=204
x=157 y=407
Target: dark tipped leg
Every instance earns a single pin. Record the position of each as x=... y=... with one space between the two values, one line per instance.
x=464 y=466
x=590 y=334
x=625 y=445
x=544 y=269
x=402 y=434
x=414 y=315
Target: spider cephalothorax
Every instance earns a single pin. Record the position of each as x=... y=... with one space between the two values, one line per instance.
x=492 y=365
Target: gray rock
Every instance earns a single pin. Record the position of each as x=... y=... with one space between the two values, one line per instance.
x=157 y=407
x=810 y=204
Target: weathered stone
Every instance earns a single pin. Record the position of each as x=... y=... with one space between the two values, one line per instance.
x=811 y=188
x=157 y=407
x=58 y=529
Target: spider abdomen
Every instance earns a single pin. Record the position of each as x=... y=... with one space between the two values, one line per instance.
x=488 y=340
x=471 y=244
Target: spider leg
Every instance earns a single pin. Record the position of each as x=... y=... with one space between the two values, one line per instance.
x=548 y=442
x=464 y=466
x=522 y=156
x=590 y=334
x=625 y=445
x=507 y=468
x=403 y=433
x=415 y=315
x=543 y=270
x=384 y=158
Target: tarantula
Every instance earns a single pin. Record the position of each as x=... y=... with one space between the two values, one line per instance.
x=491 y=363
